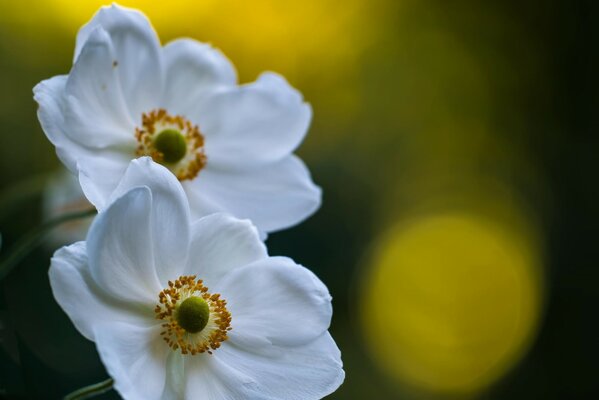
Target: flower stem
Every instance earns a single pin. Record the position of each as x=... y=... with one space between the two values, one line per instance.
x=90 y=391
x=32 y=239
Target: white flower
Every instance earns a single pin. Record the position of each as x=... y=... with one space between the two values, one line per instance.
x=147 y=287
x=230 y=146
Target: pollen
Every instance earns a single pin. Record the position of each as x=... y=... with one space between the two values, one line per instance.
x=172 y=141
x=195 y=321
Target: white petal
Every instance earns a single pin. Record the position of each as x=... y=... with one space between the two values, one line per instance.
x=307 y=372
x=96 y=114
x=99 y=173
x=199 y=203
x=277 y=300
x=135 y=358
x=137 y=54
x=119 y=246
x=80 y=297
x=220 y=244
x=49 y=95
x=101 y=169
x=274 y=196
x=169 y=217
x=174 y=389
x=192 y=71
x=209 y=378
x=255 y=124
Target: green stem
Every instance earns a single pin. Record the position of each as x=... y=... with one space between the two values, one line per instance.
x=90 y=391
x=32 y=239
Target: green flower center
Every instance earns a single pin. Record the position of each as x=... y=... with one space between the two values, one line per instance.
x=194 y=320
x=171 y=143
x=193 y=314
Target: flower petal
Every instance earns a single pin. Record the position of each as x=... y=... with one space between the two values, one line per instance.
x=80 y=297
x=119 y=249
x=174 y=388
x=278 y=300
x=95 y=111
x=100 y=169
x=169 y=217
x=135 y=357
x=136 y=53
x=274 y=196
x=220 y=244
x=99 y=174
x=307 y=372
x=209 y=378
x=257 y=123
x=192 y=71
x=49 y=94
x=199 y=203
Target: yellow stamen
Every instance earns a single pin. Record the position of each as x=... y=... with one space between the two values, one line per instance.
x=192 y=341
x=160 y=131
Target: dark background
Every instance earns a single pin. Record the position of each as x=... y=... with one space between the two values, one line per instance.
x=420 y=108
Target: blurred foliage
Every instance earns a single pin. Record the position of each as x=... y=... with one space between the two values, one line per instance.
x=484 y=111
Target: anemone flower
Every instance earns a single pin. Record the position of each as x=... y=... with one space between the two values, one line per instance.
x=182 y=310
x=231 y=146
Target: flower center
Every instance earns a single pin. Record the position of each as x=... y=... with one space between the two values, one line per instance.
x=195 y=321
x=193 y=314
x=172 y=141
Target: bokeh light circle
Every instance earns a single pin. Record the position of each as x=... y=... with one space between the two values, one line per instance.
x=451 y=301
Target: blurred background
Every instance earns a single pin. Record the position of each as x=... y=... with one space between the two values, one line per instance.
x=455 y=143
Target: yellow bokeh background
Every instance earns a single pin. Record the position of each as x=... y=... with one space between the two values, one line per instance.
x=452 y=299
x=308 y=40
